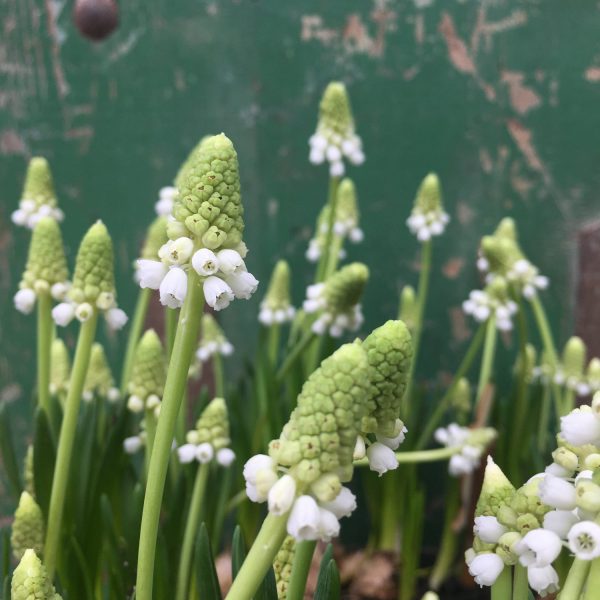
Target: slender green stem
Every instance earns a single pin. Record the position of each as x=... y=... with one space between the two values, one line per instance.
x=388 y=531
x=333 y=259
x=294 y=353
x=219 y=375
x=487 y=359
x=544 y=329
x=332 y=203
x=171 y=318
x=442 y=405
x=419 y=456
x=593 y=581
x=520 y=583
x=300 y=569
x=66 y=439
x=274 y=331
x=44 y=345
x=576 y=579
x=135 y=332
x=260 y=558
x=502 y=588
x=150 y=422
x=543 y=427
x=422 y=292
x=183 y=350
x=191 y=529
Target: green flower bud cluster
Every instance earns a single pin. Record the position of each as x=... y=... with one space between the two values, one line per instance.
x=337 y=300
x=28 y=527
x=212 y=340
x=30 y=580
x=276 y=306
x=209 y=201
x=389 y=352
x=428 y=218
x=283 y=566
x=408 y=312
x=524 y=511
x=99 y=381
x=460 y=400
x=526 y=364
x=148 y=374
x=188 y=163
x=46 y=269
x=212 y=427
x=496 y=491
x=60 y=367
x=38 y=199
x=321 y=433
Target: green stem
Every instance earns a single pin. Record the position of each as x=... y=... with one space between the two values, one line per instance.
x=66 y=439
x=442 y=405
x=294 y=353
x=171 y=317
x=419 y=456
x=44 y=345
x=260 y=558
x=300 y=569
x=191 y=529
x=544 y=329
x=543 y=426
x=424 y=277
x=502 y=588
x=388 y=531
x=150 y=421
x=487 y=359
x=332 y=203
x=218 y=374
x=183 y=350
x=333 y=259
x=273 y=343
x=135 y=332
x=520 y=583
x=593 y=581
x=575 y=580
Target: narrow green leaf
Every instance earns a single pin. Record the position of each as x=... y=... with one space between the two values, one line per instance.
x=268 y=587
x=7 y=450
x=6 y=595
x=207 y=582
x=5 y=553
x=238 y=551
x=328 y=587
x=44 y=456
x=84 y=571
x=323 y=580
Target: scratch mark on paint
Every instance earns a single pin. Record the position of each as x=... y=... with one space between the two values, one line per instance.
x=60 y=79
x=523 y=138
x=522 y=98
x=592 y=74
x=124 y=47
x=487 y=30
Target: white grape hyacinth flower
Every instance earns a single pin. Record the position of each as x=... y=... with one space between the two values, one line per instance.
x=327 y=145
x=480 y=305
x=484 y=567
x=488 y=529
x=584 y=540
x=557 y=493
x=527 y=277
x=166 y=198
x=538 y=548
x=427 y=225
x=544 y=580
x=29 y=213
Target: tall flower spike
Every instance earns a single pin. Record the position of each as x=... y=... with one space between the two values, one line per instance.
x=570 y=373
x=93 y=286
x=28 y=527
x=46 y=270
x=148 y=374
x=337 y=300
x=335 y=137
x=210 y=439
x=346 y=213
x=282 y=566
x=428 y=218
x=470 y=445
x=99 y=381
x=494 y=300
x=30 y=580
x=276 y=306
x=212 y=340
x=60 y=367
x=38 y=199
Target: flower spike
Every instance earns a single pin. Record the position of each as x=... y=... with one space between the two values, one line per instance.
x=276 y=306
x=30 y=580
x=28 y=527
x=428 y=218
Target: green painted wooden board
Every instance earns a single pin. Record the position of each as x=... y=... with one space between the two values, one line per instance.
x=500 y=98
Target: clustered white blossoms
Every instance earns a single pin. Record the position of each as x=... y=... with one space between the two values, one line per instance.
x=152 y=402
x=469 y=443
x=212 y=340
x=335 y=323
x=425 y=225
x=482 y=304
x=270 y=316
x=115 y=317
x=25 y=298
x=29 y=213
x=224 y=274
x=203 y=452
x=380 y=453
x=524 y=275
x=166 y=198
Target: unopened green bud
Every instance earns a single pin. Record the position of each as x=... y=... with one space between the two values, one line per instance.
x=209 y=201
x=277 y=297
x=593 y=369
x=156 y=236
x=28 y=471
x=587 y=495
x=506 y=547
x=526 y=362
x=429 y=195
x=496 y=490
x=30 y=580
x=526 y=500
x=149 y=369
x=346 y=210
x=343 y=289
x=574 y=357
x=327 y=487
x=501 y=253
x=94 y=266
x=565 y=458
x=430 y=596
x=282 y=565
x=507 y=516
x=335 y=113
x=212 y=339
x=46 y=262
x=592 y=462
x=99 y=380
x=389 y=352
x=481 y=546
x=408 y=306
x=527 y=522
x=28 y=527
x=60 y=367
x=39 y=186
x=213 y=425
x=461 y=399
x=506 y=229
x=190 y=160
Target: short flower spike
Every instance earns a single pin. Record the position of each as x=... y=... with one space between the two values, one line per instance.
x=283 y=566
x=99 y=380
x=38 y=199
x=335 y=137
x=212 y=340
x=60 y=367
x=496 y=490
x=148 y=373
x=209 y=202
x=30 y=580
x=428 y=218
x=389 y=351
x=276 y=306
x=28 y=527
